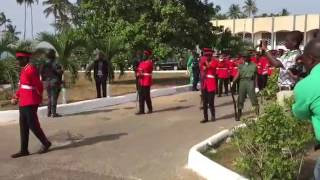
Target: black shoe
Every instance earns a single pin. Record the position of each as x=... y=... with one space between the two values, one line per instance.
x=204 y=121
x=219 y=95
x=56 y=115
x=48 y=115
x=140 y=113
x=150 y=112
x=213 y=118
x=20 y=154
x=45 y=149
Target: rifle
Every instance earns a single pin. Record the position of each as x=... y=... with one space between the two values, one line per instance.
x=232 y=88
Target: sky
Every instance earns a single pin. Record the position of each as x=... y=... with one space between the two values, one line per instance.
x=15 y=12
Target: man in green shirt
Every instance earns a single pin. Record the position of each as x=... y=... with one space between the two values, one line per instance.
x=189 y=66
x=307 y=92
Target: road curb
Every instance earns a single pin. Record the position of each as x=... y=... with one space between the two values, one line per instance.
x=207 y=168
x=11 y=116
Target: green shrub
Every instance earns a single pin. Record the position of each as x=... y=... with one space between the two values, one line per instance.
x=272 y=147
x=270 y=92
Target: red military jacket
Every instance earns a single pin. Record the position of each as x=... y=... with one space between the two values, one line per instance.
x=209 y=76
x=233 y=67
x=202 y=61
x=254 y=59
x=144 y=72
x=223 y=69
x=30 y=87
x=263 y=65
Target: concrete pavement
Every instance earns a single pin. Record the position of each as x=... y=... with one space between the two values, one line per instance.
x=113 y=143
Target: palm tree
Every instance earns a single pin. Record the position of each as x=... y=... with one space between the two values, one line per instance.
x=65 y=43
x=20 y=2
x=11 y=29
x=234 y=11
x=59 y=9
x=285 y=12
x=250 y=7
x=30 y=3
x=4 y=20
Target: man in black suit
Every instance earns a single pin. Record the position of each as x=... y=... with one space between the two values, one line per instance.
x=100 y=71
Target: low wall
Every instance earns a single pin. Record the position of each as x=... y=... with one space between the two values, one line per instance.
x=206 y=167
x=91 y=105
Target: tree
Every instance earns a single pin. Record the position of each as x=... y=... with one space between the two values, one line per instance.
x=163 y=26
x=11 y=30
x=65 y=43
x=285 y=12
x=234 y=11
x=27 y=3
x=4 y=20
x=250 y=8
x=60 y=9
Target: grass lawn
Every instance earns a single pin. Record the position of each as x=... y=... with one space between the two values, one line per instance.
x=84 y=89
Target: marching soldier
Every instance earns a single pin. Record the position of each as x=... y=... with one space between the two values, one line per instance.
x=144 y=73
x=247 y=76
x=51 y=73
x=208 y=66
x=29 y=96
x=223 y=75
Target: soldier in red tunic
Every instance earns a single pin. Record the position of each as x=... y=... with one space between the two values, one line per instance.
x=209 y=86
x=263 y=68
x=29 y=96
x=144 y=73
x=223 y=75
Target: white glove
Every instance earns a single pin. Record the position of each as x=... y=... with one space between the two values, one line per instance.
x=256 y=90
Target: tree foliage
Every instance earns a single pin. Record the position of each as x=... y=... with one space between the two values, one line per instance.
x=155 y=24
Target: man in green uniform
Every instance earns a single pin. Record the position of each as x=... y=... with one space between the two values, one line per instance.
x=189 y=66
x=51 y=73
x=247 y=76
x=307 y=92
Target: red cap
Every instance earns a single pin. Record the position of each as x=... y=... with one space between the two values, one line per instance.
x=23 y=54
x=207 y=50
x=147 y=52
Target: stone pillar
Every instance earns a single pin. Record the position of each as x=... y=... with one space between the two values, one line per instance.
x=294 y=22
x=273 y=42
x=252 y=32
x=305 y=29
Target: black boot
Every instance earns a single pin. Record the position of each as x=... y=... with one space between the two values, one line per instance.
x=213 y=115
x=20 y=154
x=45 y=148
x=239 y=114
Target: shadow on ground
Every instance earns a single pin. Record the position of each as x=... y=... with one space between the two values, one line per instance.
x=90 y=141
x=228 y=116
x=172 y=109
x=91 y=112
x=224 y=104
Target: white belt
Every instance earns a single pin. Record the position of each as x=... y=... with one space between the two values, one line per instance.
x=27 y=87
x=210 y=76
x=146 y=74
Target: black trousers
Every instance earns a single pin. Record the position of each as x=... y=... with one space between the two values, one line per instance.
x=144 y=97
x=196 y=79
x=262 y=81
x=53 y=95
x=223 y=83
x=29 y=120
x=208 y=102
x=101 y=82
